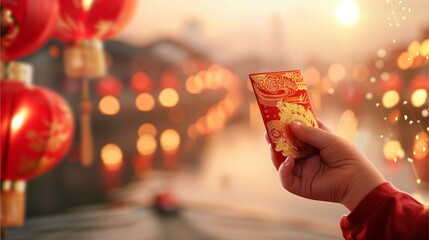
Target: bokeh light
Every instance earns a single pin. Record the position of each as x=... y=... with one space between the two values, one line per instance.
x=146 y=145
x=381 y=53
x=168 y=97
x=141 y=82
x=336 y=72
x=418 y=97
x=424 y=48
x=145 y=102
x=111 y=156
x=347 y=12
x=109 y=105
x=404 y=61
x=147 y=129
x=170 y=140
x=390 y=99
x=393 y=150
x=414 y=49
x=420 y=147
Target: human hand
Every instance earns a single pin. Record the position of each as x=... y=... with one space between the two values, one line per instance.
x=338 y=173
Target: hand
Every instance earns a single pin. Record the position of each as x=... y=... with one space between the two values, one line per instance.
x=338 y=173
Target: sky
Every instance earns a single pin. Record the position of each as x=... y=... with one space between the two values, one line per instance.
x=231 y=30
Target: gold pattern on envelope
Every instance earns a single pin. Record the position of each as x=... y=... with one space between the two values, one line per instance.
x=272 y=87
x=286 y=82
x=289 y=112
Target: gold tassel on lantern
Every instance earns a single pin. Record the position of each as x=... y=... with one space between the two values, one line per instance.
x=85 y=60
x=12 y=204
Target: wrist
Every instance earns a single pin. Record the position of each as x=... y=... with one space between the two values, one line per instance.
x=360 y=187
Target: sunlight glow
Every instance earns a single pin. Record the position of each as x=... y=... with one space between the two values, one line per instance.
x=347 y=12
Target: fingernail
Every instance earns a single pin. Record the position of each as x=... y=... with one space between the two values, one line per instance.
x=296 y=124
x=287 y=160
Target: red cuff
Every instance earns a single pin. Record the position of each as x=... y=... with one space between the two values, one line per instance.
x=366 y=207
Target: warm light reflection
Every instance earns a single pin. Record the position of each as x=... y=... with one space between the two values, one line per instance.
x=347 y=125
x=170 y=140
x=111 y=156
x=420 y=148
x=147 y=129
x=390 y=99
x=418 y=97
x=18 y=119
x=393 y=150
x=424 y=48
x=191 y=86
x=347 y=12
x=336 y=72
x=109 y=105
x=140 y=82
x=413 y=49
x=192 y=131
x=86 y=4
x=145 y=102
x=404 y=61
x=381 y=53
x=168 y=97
x=146 y=145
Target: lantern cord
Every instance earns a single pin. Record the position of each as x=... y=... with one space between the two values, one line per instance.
x=85 y=121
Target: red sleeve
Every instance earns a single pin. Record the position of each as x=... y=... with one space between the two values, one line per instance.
x=386 y=213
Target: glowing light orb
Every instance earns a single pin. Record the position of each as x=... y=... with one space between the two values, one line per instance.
x=418 y=97
x=420 y=147
x=414 y=49
x=369 y=96
x=392 y=150
x=140 y=82
x=347 y=12
x=424 y=48
x=145 y=102
x=168 y=97
x=336 y=72
x=146 y=145
x=404 y=61
x=111 y=156
x=381 y=53
x=109 y=105
x=390 y=99
x=147 y=129
x=170 y=140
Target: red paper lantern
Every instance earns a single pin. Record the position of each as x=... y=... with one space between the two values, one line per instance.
x=36 y=131
x=87 y=19
x=83 y=24
x=25 y=26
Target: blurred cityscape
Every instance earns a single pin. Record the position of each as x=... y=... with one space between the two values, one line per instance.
x=172 y=117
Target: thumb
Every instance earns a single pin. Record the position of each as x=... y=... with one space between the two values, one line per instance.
x=316 y=137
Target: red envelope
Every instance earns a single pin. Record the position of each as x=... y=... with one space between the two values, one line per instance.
x=282 y=98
